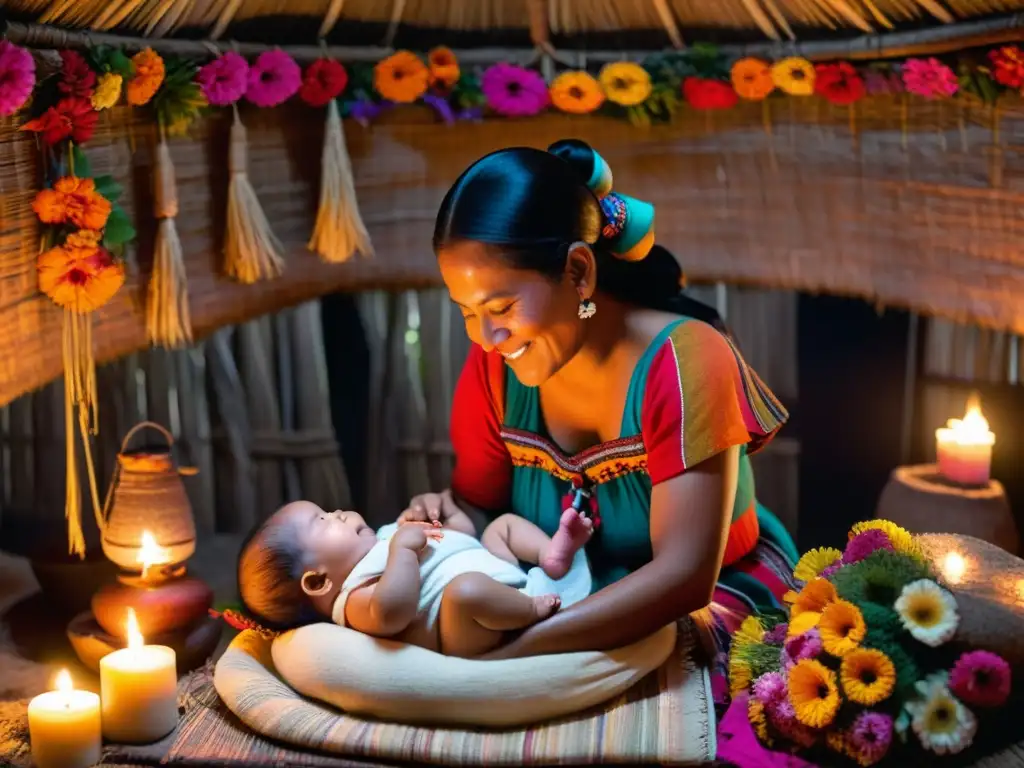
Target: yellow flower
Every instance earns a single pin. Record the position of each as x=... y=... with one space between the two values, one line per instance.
x=576 y=92
x=799 y=624
x=901 y=539
x=842 y=627
x=108 y=91
x=867 y=675
x=814 y=562
x=794 y=75
x=749 y=633
x=815 y=595
x=739 y=675
x=928 y=612
x=813 y=693
x=625 y=83
x=756 y=716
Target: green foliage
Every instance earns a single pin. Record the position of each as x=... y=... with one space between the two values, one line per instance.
x=978 y=81
x=467 y=93
x=104 y=59
x=879 y=578
x=119 y=230
x=179 y=100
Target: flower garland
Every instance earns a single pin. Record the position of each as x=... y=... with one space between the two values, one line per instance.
x=863 y=661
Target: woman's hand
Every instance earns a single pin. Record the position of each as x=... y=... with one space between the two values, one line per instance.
x=438 y=508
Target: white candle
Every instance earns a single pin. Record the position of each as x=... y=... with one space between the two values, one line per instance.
x=64 y=726
x=138 y=686
x=964 y=447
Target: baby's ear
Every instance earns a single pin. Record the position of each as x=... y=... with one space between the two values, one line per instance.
x=316 y=583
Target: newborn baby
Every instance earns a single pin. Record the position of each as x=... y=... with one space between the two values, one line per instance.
x=440 y=589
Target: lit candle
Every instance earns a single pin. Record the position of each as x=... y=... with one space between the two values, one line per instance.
x=151 y=554
x=64 y=726
x=953 y=567
x=138 y=685
x=964 y=447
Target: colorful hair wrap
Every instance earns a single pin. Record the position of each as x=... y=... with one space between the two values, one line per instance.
x=629 y=223
x=241 y=622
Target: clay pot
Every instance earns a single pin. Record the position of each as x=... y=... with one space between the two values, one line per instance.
x=172 y=605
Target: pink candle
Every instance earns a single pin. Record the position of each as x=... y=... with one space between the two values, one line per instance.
x=964 y=447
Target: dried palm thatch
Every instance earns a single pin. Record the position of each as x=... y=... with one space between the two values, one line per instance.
x=774 y=18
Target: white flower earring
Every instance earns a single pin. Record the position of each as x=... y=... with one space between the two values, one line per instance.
x=587 y=309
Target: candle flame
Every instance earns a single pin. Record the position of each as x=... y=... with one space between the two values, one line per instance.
x=64 y=684
x=150 y=553
x=953 y=567
x=972 y=429
x=135 y=639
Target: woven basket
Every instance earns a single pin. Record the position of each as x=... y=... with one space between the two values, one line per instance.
x=147 y=494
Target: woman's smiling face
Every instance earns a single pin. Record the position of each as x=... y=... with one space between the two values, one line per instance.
x=530 y=318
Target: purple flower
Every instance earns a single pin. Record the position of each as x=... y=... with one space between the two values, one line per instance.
x=224 y=79
x=863 y=544
x=770 y=688
x=805 y=646
x=777 y=634
x=929 y=78
x=829 y=570
x=513 y=91
x=17 y=77
x=869 y=737
x=981 y=679
x=880 y=83
x=274 y=78
x=783 y=718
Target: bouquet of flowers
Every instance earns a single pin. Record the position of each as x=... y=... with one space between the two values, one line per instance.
x=863 y=663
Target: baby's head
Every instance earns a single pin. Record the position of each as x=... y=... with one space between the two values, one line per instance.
x=292 y=566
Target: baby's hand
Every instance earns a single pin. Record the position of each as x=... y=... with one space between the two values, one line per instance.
x=414 y=536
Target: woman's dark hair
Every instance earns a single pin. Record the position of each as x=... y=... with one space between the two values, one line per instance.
x=531 y=206
x=270 y=568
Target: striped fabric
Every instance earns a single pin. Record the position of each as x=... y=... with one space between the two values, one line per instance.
x=666 y=719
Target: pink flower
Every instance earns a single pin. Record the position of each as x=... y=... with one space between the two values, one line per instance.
x=513 y=91
x=17 y=77
x=805 y=646
x=863 y=544
x=981 y=679
x=929 y=78
x=831 y=569
x=869 y=737
x=274 y=78
x=783 y=718
x=770 y=689
x=777 y=634
x=224 y=80
x=879 y=82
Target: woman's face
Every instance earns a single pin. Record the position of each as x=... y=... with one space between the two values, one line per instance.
x=531 y=319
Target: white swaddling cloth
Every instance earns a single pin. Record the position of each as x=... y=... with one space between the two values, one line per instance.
x=454 y=554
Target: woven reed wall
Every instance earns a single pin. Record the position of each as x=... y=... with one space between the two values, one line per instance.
x=931 y=220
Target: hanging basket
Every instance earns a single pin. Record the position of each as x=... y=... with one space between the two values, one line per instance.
x=147 y=494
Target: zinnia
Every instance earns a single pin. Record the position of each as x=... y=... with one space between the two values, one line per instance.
x=79 y=275
x=76 y=76
x=148 y=77
x=72 y=201
x=401 y=77
x=273 y=79
x=813 y=693
x=108 y=91
x=224 y=80
x=73 y=118
x=444 y=68
x=324 y=80
x=752 y=79
x=868 y=676
x=901 y=539
x=706 y=94
x=814 y=561
x=578 y=93
x=981 y=679
x=514 y=91
x=625 y=83
x=864 y=543
x=869 y=737
x=794 y=75
x=928 y=612
x=839 y=83
x=17 y=77
x=929 y=78
x=943 y=724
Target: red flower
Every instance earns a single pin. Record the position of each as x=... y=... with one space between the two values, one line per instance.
x=839 y=83
x=1008 y=65
x=325 y=79
x=76 y=77
x=702 y=93
x=72 y=118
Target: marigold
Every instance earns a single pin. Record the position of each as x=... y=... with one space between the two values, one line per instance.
x=444 y=68
x=752 y=79
x=576 y=92
x=815 y=595
x=625 y=83
x=757 y=718
x=740 y=675
x=72 y=201
x=794 y=75
x=868 y=676
x=149 y=75
x=813 y=693
x=401 y=77
x=82 y=279
x=805 y=621
x=842 y=627
x=108 y=91
x=814 y=561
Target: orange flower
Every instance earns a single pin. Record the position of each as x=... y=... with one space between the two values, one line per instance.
x=444 y=68
x=72 y=201
x=752 y=79
x=814 y=597
x=79 y=275
x=576 y=92
x=401 y=77
x=149 y=75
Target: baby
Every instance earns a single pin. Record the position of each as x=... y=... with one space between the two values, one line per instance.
x=440 y=589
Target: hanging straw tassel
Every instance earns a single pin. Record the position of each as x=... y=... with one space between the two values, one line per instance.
x=251 y=251
x=339 y=231
x=168 y=322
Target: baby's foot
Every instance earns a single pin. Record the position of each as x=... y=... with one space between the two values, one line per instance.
x=574 y=529
x=546 y=605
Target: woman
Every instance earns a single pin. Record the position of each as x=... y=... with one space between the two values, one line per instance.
x=592 y=379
